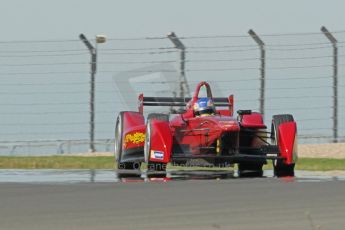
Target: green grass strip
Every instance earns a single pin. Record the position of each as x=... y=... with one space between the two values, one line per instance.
x=103 y=162
x=57 y=162
x=320 y=164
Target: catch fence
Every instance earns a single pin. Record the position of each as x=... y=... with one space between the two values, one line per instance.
x=46 y=103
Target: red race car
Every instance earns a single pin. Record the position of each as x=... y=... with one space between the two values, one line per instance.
x=205 y=131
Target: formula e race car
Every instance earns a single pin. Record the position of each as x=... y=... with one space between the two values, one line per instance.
x=206 y=131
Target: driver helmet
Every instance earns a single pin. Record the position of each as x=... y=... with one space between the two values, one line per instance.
x=204 y=107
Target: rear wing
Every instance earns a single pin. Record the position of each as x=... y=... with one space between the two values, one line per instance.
x=180 y=101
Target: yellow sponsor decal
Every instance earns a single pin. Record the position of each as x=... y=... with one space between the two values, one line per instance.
x=135 y=138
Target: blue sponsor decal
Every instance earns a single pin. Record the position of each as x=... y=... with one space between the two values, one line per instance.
x=158 y=154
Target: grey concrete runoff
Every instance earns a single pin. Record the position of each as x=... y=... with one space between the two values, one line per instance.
x=259 y=203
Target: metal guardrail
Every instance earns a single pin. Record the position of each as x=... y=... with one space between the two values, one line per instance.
x=53 y=147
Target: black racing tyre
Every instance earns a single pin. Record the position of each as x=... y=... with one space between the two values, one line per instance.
x=118 y=146
x=283 y=170
x=280 y=169
x=278 y=120
x=158 y=116
x=153 y=166
x=249 y=169
x=118 y=137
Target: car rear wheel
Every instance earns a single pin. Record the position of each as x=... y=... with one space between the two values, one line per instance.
x=250 y=170
x=118 y=153
x=151 y=165
x=281 y=169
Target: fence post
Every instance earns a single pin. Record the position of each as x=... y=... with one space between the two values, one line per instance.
x=93 y=52
x=334 y=41
x=184 y=88
x=92 y=89
x=262 y=69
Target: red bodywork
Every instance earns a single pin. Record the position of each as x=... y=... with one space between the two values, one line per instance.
x=188 y=136
x=288 y=142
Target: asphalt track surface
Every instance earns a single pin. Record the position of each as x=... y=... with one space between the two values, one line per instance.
x=235 y=203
